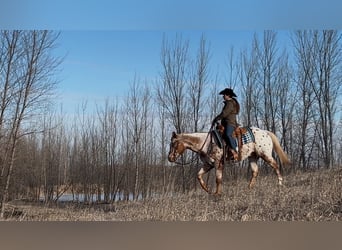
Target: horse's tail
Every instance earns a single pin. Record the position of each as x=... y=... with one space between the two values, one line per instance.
x=278 y=149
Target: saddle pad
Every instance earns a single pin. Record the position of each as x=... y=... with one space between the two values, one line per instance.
x=248 y=137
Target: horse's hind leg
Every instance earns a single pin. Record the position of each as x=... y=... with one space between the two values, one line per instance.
x=254 y=168
x=270 y=160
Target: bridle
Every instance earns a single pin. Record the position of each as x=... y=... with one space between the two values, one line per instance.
x=195 y=158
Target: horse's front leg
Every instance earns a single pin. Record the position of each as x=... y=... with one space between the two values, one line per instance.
x=205 y=169
x=219 y=171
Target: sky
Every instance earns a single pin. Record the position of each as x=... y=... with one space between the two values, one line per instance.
x=106 y=43
x=100 y=65
x=169 y=14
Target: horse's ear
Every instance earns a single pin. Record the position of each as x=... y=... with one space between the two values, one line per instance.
x=174 y=135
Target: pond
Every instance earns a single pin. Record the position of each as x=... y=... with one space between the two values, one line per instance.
x=67 y=197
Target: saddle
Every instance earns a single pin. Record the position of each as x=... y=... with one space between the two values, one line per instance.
x=243 y=135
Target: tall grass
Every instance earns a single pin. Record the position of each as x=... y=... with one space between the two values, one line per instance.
x=314 y=196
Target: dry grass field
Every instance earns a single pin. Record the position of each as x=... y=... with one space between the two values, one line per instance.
x=314 y=196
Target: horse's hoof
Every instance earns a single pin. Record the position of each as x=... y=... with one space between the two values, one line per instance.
x=216 y=197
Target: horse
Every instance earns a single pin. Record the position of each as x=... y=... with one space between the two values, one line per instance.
x=211 y=154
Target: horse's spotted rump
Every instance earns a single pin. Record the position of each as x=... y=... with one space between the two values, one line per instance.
x=263 y=142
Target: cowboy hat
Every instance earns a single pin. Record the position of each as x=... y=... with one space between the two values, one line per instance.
x=228 y=91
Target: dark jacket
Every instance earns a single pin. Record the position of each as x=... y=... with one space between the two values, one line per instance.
x=228 y=113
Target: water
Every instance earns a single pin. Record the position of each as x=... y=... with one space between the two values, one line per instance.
x=94 y=197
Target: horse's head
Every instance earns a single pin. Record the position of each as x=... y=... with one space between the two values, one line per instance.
x=177 y=148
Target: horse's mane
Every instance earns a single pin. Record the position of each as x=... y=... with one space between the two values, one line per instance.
x=190 y=137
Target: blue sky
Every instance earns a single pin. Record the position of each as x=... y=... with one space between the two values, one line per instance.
x=169 y=14
x=102 y=64
x=107 y=42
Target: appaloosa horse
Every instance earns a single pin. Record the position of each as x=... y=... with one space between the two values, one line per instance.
x=212 y=155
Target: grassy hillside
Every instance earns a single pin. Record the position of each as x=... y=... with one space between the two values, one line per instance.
x=314 y=196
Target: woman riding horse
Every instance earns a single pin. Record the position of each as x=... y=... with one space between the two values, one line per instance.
x=211 y=154
x=228 y=119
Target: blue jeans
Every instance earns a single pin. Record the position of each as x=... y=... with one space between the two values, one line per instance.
x=229 y=134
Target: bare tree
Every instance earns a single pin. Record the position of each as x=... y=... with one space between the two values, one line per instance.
x=32 y=83
x=139 y=114
x=326 y=86
x=233 y=69
x=267 y=59
x=108 y=153
x=53 y=157
x=172 y=91
x=199 y=80
x=163 y=136
x=287 y=97
x=198 y=83
x=248 y=78
x=318 y=59
x=303 y=52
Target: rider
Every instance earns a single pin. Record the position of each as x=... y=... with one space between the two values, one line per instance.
x=228 y=118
